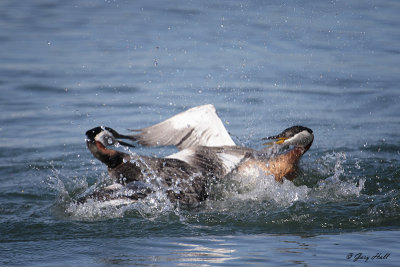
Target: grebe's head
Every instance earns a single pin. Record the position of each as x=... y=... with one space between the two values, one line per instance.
x=298 y=136
x=105 y=136
x=99 y=139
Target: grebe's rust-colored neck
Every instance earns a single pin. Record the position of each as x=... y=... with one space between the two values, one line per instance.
x=282 y=165
x=285 y=165
x=111 y=158
x=103 y=150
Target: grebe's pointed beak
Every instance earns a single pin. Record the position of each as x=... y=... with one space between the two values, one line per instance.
x=125 y=143
x=119 y=136
x=279 y=140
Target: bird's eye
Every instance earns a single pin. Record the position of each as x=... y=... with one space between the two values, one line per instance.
x=107 y=140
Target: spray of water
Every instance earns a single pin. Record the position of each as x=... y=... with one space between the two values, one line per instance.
x=336 y=187
x=254 y=186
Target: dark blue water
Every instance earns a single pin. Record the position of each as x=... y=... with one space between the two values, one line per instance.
x=68 y=66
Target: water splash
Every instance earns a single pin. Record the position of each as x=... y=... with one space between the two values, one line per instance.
x=257 y=186
x=334 y=188
x=154 y=205
x=254 y=186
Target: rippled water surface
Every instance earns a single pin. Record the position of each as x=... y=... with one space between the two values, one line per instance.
x=68 y=66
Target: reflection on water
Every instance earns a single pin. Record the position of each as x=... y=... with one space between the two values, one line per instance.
x=275 y=250
x=210 y=251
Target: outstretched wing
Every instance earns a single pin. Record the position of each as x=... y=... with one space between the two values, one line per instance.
x=198 y=126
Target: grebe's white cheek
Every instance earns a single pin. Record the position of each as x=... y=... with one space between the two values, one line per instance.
x=105 y=138
x=300 y=139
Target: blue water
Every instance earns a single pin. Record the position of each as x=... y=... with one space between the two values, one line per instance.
x=333 y=66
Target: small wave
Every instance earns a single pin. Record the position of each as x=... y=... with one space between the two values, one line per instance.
x=40 y=88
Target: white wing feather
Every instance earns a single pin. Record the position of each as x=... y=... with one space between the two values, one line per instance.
x=198 y=126
x=230 y=161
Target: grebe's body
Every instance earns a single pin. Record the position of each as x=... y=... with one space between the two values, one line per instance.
x=207 y=154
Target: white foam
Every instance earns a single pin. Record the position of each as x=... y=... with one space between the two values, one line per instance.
x=255 y=185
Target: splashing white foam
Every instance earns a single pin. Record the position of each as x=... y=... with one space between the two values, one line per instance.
x=153 y=205
x=333 y=188
x=92 y=210
x=253 y=186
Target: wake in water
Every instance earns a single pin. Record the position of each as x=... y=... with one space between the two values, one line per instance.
x=255 y=187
